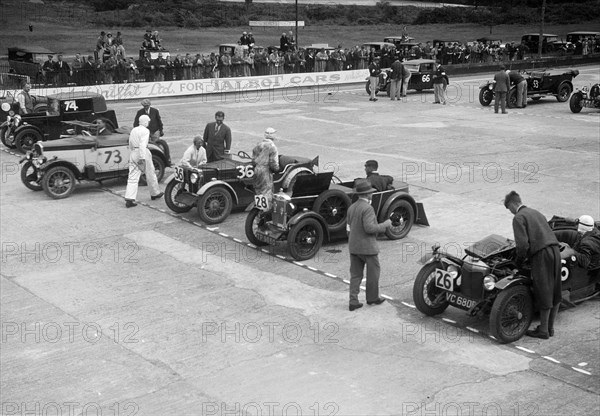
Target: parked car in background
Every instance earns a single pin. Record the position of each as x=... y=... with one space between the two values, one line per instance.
x=399 y=40
x=550 y=42
x=377 y=46
x=574 y=40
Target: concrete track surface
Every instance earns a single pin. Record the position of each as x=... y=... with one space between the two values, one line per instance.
x=140 y=311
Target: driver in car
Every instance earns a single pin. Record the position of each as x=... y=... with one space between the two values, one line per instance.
x=377 y=181
x=587 y=248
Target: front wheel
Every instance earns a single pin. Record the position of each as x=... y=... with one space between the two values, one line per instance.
x=29 y=176
x=564 y=91
x=511 y=101
x=512 y=313
x=576 y=102
x=305 y=239
x=486 y=96
x=25 y=139
x=59 y=182
x=428 y=298
x=8 y=139
x=368 y=87
x=173 y=189
x=254 y=220
x=402 y=215
x=215 y=205
x=333 y=206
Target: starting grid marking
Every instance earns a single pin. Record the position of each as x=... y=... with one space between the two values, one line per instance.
x=214 y=230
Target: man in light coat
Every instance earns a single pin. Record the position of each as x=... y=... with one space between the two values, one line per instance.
x=140 y=161
x=362 y=228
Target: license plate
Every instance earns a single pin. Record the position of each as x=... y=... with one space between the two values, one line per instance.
x=266 y=238
x=460 y=301
x=261 y=202
x=179 y=174
x=444 y=280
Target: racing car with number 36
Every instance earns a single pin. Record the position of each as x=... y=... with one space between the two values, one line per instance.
x=487 y=280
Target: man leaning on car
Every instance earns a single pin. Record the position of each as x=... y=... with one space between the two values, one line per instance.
x=518 y=80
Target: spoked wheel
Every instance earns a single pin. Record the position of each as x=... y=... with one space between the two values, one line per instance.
x=29 y=176
x=511 y=101
x=173 y=189
x=564 y=91
x=305 y=239
x=486 y=96
x=428 y=298
x=512 y=313
x=159 y=170
x=59 y=182
x=254 y=220
x=576 y=102
x=333 y=206
x=8 y=139
x=26 y=139
x=215 y=205
x=402 y=215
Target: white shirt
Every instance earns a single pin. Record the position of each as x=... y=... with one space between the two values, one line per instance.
x=138 y=143
x=193 y=157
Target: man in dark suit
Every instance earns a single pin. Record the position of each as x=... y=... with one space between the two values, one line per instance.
x=377 y=181
x=217 y=138
x=501 y=89
x=535 y=241
x=155 y=126
x=362 y=228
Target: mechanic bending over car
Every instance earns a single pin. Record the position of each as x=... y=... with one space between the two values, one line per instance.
x=535 y=240
x=518 y=80
x=195 y=155
x=266 y=162
x=377 y=181
x=587 y=248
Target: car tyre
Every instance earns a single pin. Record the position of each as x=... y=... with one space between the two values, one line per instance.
x=486 y=96
x=576 y=102
x=512 y=313
x=215 y=205
x=511 y=100
x=29 y=176
x=159 y=170
x=333 y=205
x=564 y=92
x=402 y=214
x=25 y=139
x=173 y=189
x=59 y=182
x=253 y=221
x=368 y=87
x=5 y=137
x=425 y=292
x=305 y=239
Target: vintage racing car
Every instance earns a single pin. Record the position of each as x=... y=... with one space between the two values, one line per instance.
x=314 y=210
x=23 y=131
x=556 y=82
x=585 y=99
x=421 y=78
x=486 y=280
x=218 y=187
x=55 y=166
x=10 y=116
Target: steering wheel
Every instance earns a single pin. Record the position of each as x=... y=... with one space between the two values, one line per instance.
x=85 y=133
x=243 y=155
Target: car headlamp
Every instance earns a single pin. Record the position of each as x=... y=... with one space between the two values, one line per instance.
x=194 y=177
x=5 y=106
x=453 y=271
x=489 y=282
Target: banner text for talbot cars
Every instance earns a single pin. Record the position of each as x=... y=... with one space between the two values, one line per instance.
x=241 y=85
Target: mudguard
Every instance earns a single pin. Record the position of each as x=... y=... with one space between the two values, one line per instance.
x=60 y=162
x=512 y=280
x=306 y=214
x=212 y=184
x=418 y=208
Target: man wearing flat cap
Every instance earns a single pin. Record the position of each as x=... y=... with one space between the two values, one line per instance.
x=155 y=126
x=217 y=138
x=362 y=228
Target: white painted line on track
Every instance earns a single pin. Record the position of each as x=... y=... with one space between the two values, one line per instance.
x=551 y=359
x=449 y=320
x=579 y=370
x=524 y=349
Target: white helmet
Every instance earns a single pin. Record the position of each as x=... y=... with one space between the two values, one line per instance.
x=586 y=223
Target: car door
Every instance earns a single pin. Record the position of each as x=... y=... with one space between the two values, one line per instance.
x=112 y=159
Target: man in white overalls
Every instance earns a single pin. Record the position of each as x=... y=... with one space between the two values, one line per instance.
x=140 y=161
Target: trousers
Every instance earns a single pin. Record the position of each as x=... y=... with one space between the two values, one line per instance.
x=357 y=265
x=138 y=166
x=373 y=81
x=500 y=100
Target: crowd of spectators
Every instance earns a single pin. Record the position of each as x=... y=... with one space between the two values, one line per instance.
x=109 y=64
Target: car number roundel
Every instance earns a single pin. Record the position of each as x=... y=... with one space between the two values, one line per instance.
x=425 y=78
x=245 y=171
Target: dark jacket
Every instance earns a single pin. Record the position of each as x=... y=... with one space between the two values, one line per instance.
x=155 y=120
x=374 y=69
x=380 y=182
x=532 y=232
x=363 y=229
x=502 y=81
x=397 y=70
x=588 y=249
x=216 y=142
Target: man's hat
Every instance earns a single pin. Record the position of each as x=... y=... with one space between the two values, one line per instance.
x=363 y=187
x=270 y=130
x=372 y=163
x=146 y=102
x=219 y=114
x=586 y=223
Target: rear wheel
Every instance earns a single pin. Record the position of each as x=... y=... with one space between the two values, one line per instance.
x=427 y=297
x=368 y=87
x=305 y=239
x=159 y=169
x=173 y=189
x=59 y=182
x=7 y=138
x=333 y=206
x=486 y=96
x=512 y=313
x=215 y=205
x=511 y=101
x=25 y=139
x=564 y=91
x=254 y=220
x=402 y=215
x=29 y=176
x=576 y=102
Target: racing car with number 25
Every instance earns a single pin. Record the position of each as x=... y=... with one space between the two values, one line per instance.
x=216 y=188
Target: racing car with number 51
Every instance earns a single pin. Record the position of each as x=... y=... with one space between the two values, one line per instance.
x=216 y=188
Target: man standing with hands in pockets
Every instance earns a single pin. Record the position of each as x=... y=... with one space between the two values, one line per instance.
x=362 y=228
x=140 y=161
x=217 y=138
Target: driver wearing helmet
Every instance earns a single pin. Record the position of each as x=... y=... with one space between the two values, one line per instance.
x=587 y=248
